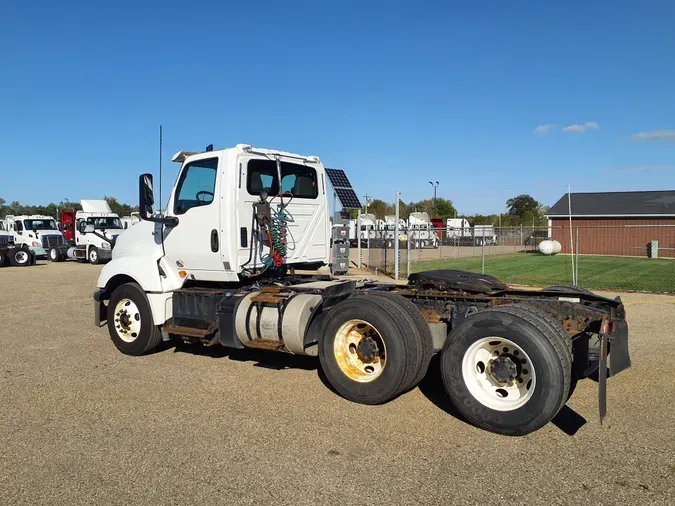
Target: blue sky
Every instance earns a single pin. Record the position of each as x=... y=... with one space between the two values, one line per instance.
x=396 y=93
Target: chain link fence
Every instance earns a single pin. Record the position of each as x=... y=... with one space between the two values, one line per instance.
x=621 y=258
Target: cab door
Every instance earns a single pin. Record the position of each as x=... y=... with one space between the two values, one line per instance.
x=195 y=243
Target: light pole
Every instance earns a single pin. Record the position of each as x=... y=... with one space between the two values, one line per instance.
x=435 y=186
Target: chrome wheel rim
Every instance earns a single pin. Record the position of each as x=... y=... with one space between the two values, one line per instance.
x=498 y=373
x=127 y=320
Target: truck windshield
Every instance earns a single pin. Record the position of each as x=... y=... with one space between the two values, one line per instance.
x=105 y=222
x=39 y=224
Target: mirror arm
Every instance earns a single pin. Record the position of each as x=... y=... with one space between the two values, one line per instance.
x=164 y=220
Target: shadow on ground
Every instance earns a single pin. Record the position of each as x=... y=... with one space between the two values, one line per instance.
x=567 y=420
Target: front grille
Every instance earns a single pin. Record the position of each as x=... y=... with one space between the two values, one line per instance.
x=49 y=241
x=5 y=240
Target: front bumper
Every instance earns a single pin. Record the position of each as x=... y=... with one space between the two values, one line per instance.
x=105 y=254
x=39 y=252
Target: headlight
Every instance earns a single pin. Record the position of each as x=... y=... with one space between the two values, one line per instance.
x=105 y=245
x=36 y=243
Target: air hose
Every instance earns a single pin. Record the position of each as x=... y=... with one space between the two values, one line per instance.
x=277 y=230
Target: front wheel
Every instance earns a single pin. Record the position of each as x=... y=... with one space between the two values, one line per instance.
x=93 y=256
x=130 y=322
x=55 y=255
x=21 y=257
x=507 y=369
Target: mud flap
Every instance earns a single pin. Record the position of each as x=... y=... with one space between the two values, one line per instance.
x=619 y=358
x=602 y=377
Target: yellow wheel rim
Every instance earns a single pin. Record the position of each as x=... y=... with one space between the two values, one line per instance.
x=359 y=351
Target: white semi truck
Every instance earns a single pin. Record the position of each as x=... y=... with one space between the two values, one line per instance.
x=90 y=233
x=389 y=231
x=221 y=267
x=132 y=219
x=12 y=254
x=39 y=233
x=421 y=231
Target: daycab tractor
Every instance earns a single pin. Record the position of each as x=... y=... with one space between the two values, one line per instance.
x=90 y=233
x=10 y=253
x=221 y=266
x=37 y=232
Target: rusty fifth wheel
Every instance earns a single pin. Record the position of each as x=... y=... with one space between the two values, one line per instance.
x=369 y=350
x=508 y=369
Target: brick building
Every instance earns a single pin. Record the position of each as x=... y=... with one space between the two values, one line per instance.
x=616 y=223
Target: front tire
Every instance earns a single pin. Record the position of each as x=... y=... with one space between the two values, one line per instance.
x=93 y=256
x=21 y=257
x=130 y=322
x=508 y=369
x=55 y=255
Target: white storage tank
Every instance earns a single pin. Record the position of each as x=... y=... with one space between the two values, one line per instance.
x=549 y=247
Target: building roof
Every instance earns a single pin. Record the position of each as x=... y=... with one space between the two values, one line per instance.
x=616 y=204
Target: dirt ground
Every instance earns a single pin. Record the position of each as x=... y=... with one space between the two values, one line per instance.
x=80 y=423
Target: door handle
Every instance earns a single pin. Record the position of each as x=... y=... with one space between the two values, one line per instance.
x=214 y=240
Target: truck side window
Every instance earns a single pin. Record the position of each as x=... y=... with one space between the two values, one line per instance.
x=18 y=226
x=297 y=179
x=196 y=186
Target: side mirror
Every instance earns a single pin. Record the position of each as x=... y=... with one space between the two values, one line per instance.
x=146 y=196
x=89 y=229
x=146 y=201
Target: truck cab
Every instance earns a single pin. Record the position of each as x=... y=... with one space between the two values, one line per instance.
x=39 y=233
x=421 y=231
x=91 y=233
x=233 y=214
x=6 y=239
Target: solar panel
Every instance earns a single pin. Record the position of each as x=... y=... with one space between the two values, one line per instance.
x=348 y=198
x=343 y=189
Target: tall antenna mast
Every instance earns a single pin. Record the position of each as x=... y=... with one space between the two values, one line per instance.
x=160 y=169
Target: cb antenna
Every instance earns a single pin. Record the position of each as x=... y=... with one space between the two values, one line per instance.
x=160 y=169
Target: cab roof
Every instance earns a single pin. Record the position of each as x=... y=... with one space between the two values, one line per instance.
x=180 y=156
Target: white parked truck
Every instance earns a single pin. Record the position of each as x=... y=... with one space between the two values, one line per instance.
x=39 y=233
x=12 y=254
x=421 y=231
x=485 y=234
x=222 y=265
x=390 y=230
x=90 y=233
x=132 y=219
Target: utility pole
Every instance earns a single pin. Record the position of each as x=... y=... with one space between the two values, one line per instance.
x=368 y=201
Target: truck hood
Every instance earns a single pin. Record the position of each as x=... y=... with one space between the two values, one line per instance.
x=139 y=241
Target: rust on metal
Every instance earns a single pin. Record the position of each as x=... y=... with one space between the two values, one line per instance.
x=190 y=331
x=431 y=315
x=268 y=298
x=266 y=344
x=269 y=295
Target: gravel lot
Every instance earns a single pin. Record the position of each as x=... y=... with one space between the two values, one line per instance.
x=81 y=423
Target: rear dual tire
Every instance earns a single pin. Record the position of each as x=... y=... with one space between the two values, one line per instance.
x=508 y=369
x=373 y=348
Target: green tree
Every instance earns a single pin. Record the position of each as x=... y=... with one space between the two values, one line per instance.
x=525 y=210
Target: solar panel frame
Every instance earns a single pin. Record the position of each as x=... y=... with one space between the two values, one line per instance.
x=343 y=189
